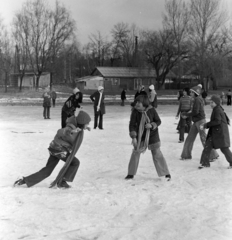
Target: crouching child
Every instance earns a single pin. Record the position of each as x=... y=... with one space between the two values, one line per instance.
x=143 y=127
x=218 y=135
x=65 y=142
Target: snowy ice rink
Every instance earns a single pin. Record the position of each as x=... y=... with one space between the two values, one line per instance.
x=194 y=205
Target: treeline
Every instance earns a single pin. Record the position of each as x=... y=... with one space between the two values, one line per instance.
x=195 y=37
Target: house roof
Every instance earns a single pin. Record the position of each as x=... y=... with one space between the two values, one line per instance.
x=124 y=72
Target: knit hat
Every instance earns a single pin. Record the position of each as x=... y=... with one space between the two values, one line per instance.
x=100 y=88
x=83 y=118
x=76 y=90
x=196 y=90
x=152 y=87
x=199 y=85
x=216 y=99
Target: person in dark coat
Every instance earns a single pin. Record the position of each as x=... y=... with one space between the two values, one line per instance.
x=218 y=136
x=70 y=106
x=59 y=149
x=54 y=96
x=143 y=127
x=123 y=97
x=141 y=91
x=229 y=97
x=99 y=107
x=46 y=104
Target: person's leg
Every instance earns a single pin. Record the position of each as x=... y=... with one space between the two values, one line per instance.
x=181 y=129
x=95 y=120
x=72 y=170
x=188 y=145
x=100 y=121
x=45 y=172
x=44 y=112
x=134 y=162
x=205 y=156
x=48 y=112
x=160 y=162
x=228 y=155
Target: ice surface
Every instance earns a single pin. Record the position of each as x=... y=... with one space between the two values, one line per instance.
x=194 y=205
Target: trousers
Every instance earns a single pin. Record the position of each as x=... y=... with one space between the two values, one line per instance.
x=45 y=172
x=188 y=145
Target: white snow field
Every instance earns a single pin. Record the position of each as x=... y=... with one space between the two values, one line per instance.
x=194 y=205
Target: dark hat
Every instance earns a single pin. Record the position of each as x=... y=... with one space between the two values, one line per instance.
x=216 y=99
x=196 y=90
x=83 y=118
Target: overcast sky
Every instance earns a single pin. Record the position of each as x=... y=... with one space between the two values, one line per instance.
x=101 y=15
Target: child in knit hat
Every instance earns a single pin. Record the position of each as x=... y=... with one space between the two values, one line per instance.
x=218 y=135
x=60 y=148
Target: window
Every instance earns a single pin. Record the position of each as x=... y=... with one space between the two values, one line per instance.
x=137 y=82
x=115 y=81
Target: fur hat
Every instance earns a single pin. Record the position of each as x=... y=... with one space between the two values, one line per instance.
x=216 y=99
x=152 y=87
x=83 y=118
x=199 y=85
x=100 y=88
x=76 y=90
x=196 y=90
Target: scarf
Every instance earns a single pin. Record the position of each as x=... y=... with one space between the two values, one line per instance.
x=144 y=120
x=99 y=102
x=64 y=169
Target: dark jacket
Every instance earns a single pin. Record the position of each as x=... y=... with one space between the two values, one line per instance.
x=72 y=103
x=123 y=95
x=218 y=128
x=95 y=97
x=140 y=93
x=135 y=122
x=197 y=112
x=47 y=100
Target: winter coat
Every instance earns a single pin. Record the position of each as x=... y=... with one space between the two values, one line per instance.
x=63 y=141
x=140 y=93
x=53 y=95
x=197 y=112
x=95 y=97
x=47 y=99
x=123 y=95
x=218 y=128
x=135 y=122
x=72 y=103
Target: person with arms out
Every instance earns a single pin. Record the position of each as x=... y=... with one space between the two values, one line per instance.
x=218 y=136
x=70 y=106
x=59 y=149
x=198 y=118
x=153 y=96
x=46 y=104
x=99 y=107
x=185 y=104
x=123 y=97
x=143 y=127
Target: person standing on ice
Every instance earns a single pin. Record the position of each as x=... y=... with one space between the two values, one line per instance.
x=218 y=136
x=143 y=127
x=198 y=118
x=70 y=106
x=153 y=96
x=46 y=104
x=99 y=107
x=59 y=149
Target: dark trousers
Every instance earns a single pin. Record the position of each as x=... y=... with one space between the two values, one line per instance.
x=53 y=102
x=228 y=100
x=46 y=112
x=205 y=156
x=45 y=172
x=64 y=117
x=100 y=116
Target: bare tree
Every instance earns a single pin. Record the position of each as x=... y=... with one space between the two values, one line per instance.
x=176 y=20
x=206 y=22
x=44 y=33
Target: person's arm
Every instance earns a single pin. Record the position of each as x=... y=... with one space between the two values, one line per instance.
x=216 y=120
x=179 y=108
x=92 y=97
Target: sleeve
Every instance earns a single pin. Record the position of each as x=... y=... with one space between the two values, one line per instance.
x=179 y=108
x=195 y=109
x=156 y=121
x=92 y=97
x=216 y=119
x=133 y=124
